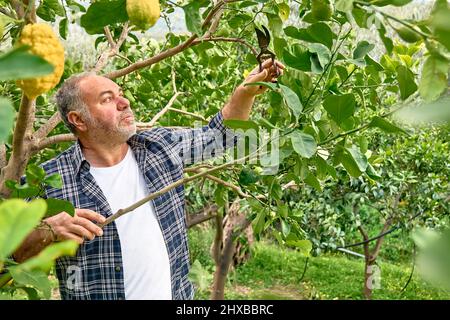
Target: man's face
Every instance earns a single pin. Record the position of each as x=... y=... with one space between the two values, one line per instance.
x=110 y=117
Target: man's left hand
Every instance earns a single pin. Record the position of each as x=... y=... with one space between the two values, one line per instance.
x=268 y=74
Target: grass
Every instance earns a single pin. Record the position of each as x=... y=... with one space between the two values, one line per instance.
x=275 y=273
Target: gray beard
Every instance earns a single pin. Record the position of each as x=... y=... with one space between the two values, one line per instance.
x=109 y=136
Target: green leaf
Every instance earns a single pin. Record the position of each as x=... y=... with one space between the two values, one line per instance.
x=321 y=52
x=283 y=11
x=24 y=191
x=344 y=5
x=297 y=57
x=46 y=258
x=372 y=173
x=247 y=177
x=220 y=195
x=388 y=44
x=19 y=64
x=396 y=3
x=363 y=144
x=17 y=220
x=63 y=28
x=434 y=78
x=241 y=124
x=362 y=49
x=340 y=107
x=321 y=166
x=354 y=161
x=270 y=85
x=49 y=9
x=35 y=174
x=200 y=276
x=406 y=82
x=192 y=16
x=304 y=144
x=433 y=259
x=102 y=13
x=313 y=182
x=238 y=20
x=216 y=61
x=279 y=45
x=385 y=125
x=37 y=279
x=408 y=35
x=55 y=206
x=285 y=228
x=316 y=33
x=283 y=211
x=259 y=221
x=292 y=100
x=432 y=113
x=275 y=24
x=304 y=246
x=7 y=114
x=441 y=25
x=54 y=181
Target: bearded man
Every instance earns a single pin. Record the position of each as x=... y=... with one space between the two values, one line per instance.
x=144 y=254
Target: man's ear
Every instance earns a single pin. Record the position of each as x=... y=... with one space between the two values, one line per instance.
x=75 y=118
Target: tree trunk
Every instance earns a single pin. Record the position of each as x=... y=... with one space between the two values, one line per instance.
x=368 y=278
x=22 y=141
x=234 y=224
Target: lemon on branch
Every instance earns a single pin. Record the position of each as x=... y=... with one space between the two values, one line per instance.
x=44 y=43
x=143 y=13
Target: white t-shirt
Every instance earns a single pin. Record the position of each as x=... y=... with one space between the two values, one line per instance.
x=145 y=259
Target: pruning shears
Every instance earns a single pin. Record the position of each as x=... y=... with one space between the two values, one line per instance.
x=265 y=53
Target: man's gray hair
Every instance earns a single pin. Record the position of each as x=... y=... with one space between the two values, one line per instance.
x=69 y=98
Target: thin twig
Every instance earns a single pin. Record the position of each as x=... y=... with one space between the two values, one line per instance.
x=109 y=37
x=194 y=115
x=225 y=39
x=164 y=110
x=114 y=47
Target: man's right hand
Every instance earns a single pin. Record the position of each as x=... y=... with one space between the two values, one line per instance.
x=79 y=227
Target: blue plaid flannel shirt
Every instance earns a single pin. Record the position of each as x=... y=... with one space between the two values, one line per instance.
x=96 y=271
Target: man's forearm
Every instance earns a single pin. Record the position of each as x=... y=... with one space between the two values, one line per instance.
x=239 y=106
x=35 y=242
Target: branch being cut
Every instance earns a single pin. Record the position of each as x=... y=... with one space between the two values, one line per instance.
x=169 y=187
x=228 y=185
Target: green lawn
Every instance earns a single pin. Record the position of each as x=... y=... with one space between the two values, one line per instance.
x=275 y=273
